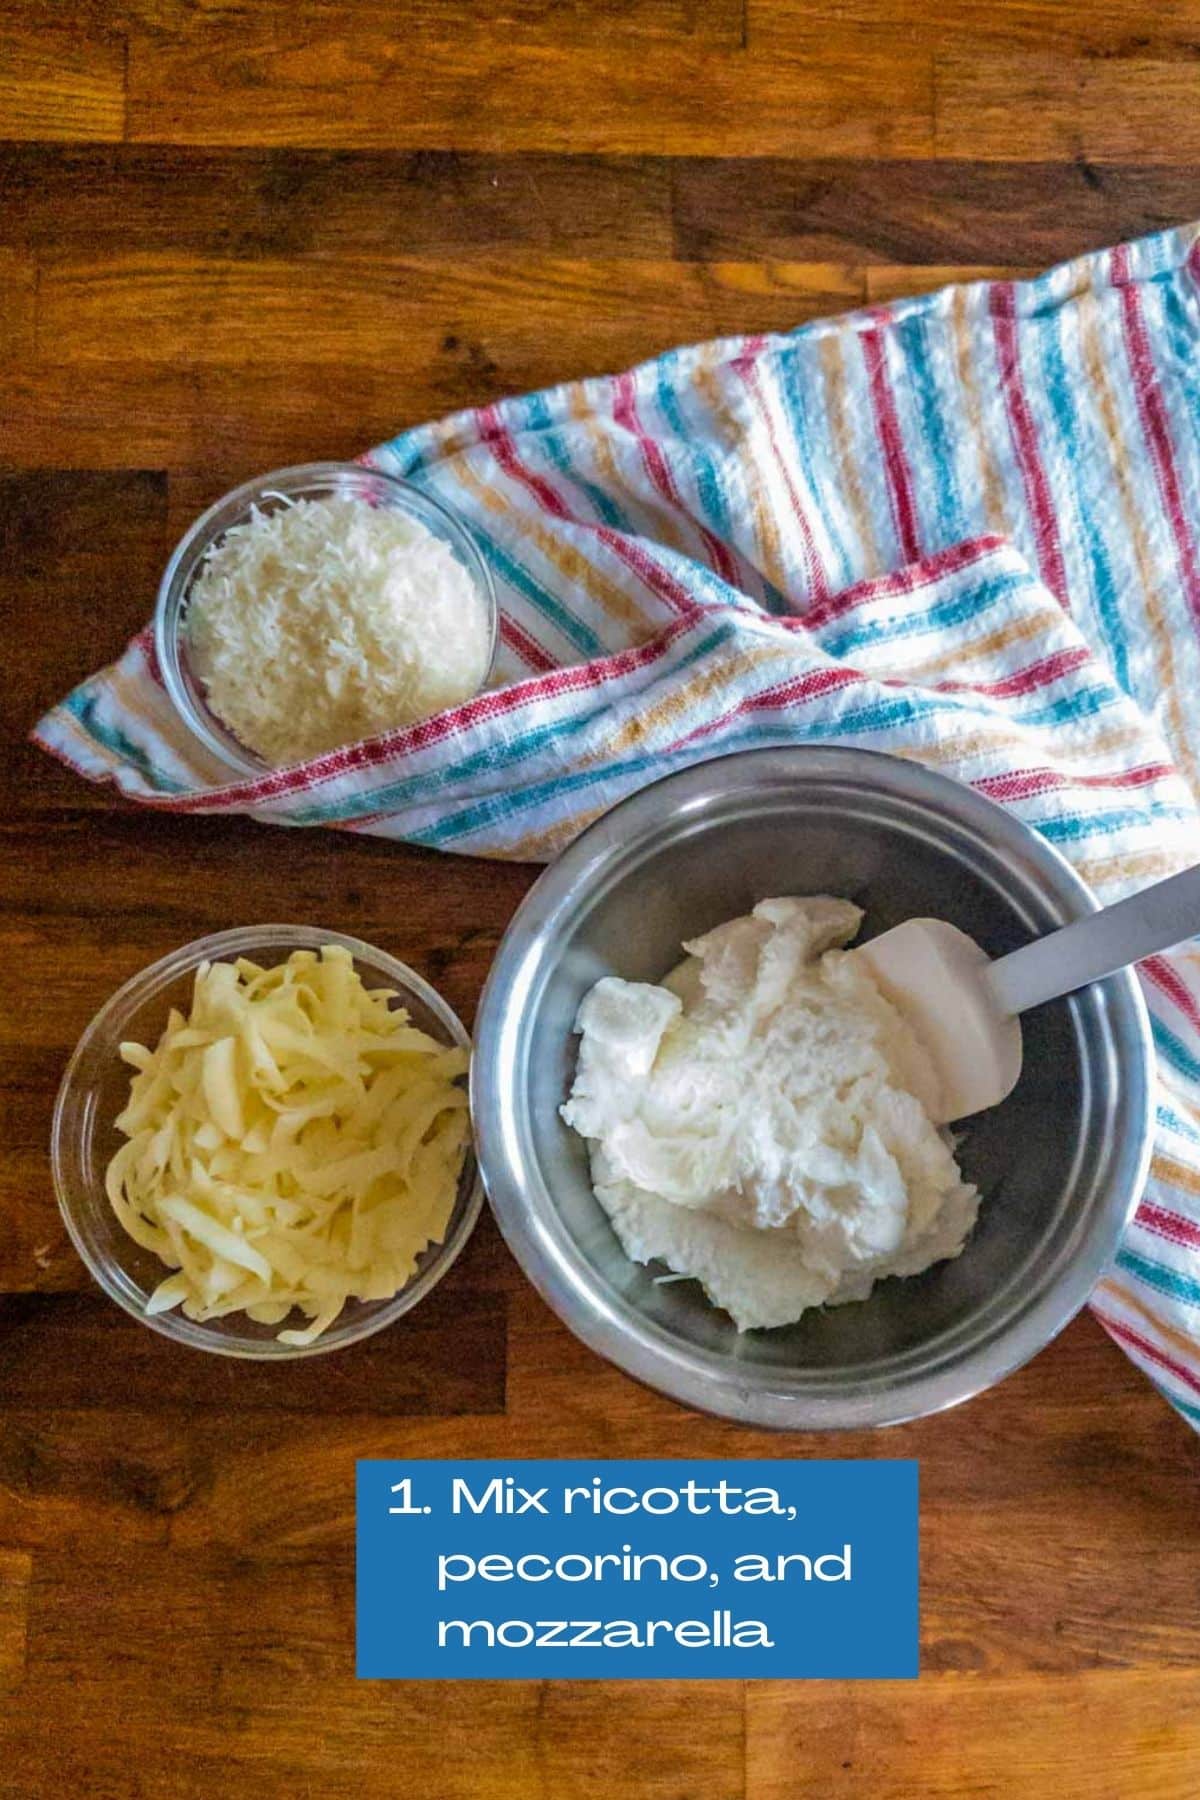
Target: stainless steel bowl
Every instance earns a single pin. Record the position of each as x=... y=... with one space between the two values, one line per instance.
x=1060 y=1163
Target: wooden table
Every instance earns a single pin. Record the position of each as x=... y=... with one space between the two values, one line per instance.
x=234 y=236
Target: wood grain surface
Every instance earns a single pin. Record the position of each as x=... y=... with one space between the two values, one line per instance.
x=237 y=234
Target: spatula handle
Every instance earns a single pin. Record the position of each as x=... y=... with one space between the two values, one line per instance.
x=1155 y=919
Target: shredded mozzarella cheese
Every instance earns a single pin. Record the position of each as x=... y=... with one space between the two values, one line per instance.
x=293 y=1142
x=327 y=621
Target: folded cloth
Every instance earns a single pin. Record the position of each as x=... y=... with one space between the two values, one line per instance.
x=961 y=528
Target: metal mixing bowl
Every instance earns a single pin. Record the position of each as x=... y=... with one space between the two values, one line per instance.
x=1060 y=1163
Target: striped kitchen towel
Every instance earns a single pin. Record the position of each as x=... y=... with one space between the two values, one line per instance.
x=963 y=528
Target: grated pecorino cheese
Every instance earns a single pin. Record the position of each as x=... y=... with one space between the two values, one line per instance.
x=327 y=621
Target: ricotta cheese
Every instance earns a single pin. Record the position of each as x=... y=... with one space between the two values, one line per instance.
x=756 y=1122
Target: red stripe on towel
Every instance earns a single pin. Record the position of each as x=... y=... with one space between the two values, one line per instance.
x=911 y=580
x=659 y=470
x=891 y=439
x=1169 y=1225
x=659 y=580
x=1158 y=971
x=1126 y=1335
x=1156 y=425
x=1023 y=784
x=1002 y=305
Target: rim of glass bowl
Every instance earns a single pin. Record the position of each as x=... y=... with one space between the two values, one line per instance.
x=302 y=481
x=71 y=1125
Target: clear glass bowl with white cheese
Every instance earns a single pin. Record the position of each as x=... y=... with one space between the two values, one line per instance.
x=225 y=756
x=95 y=1088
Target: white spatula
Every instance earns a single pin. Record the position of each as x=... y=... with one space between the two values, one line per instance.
x=964 y=1008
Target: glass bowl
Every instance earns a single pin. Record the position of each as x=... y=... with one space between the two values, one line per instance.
x=309 y=481
x=95 y=1087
